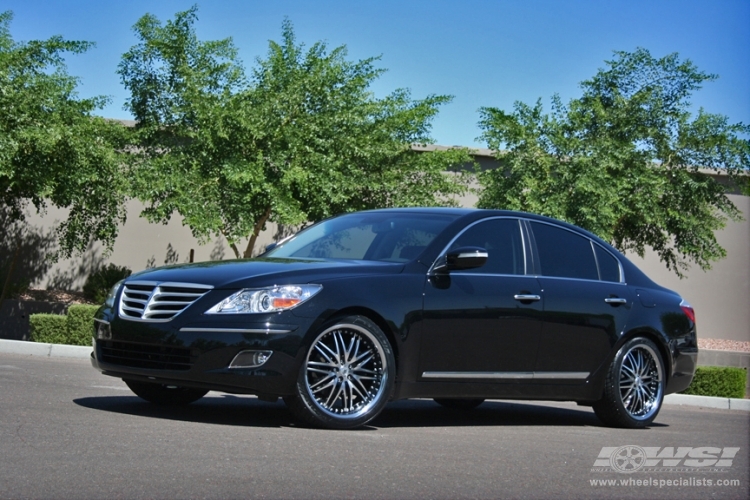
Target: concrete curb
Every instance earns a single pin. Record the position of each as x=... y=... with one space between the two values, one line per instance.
x=708 y=402
x=47 y=350
x=84 y=352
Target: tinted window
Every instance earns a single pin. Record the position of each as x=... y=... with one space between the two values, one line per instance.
x=502 y=240
x=388 y=236
x=563 y=253
x=609 y=267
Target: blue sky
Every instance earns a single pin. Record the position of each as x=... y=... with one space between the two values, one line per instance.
x=484 y=53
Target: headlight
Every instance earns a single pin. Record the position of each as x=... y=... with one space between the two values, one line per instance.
x=265 y=300
x=110 y=300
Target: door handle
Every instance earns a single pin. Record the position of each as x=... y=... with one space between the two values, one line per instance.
x=523 y=297
x=615 y=300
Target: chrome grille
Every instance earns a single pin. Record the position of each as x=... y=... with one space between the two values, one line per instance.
x=158 y=302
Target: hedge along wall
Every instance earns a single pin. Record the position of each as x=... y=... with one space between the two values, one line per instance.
x=718 y=381
x=76 y=328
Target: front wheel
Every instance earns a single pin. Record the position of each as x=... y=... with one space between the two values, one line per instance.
x=161 y=394
x=634 y=388
x=347 y=376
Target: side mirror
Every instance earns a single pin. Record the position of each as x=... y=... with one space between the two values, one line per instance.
x=270 y=247
x=461 y=258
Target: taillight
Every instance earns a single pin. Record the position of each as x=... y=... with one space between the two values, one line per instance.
x=688 y=310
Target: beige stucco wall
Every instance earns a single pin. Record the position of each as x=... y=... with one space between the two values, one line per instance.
x=721 y=296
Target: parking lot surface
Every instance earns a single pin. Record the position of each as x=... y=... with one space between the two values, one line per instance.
x=67 y=431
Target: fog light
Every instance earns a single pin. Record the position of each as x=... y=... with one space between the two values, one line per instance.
x=250 y=359
x=103 y=330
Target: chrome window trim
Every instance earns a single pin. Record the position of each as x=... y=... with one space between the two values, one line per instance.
x=578 y=279
x=507 y=375
x=444 y=251
x=458 y=273
x=236 y=330
x=619 y=264
x=622 y=273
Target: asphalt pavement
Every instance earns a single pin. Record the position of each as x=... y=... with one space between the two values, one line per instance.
x=66 y=431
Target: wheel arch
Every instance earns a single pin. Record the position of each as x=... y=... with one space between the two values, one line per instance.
x=644 y=332
x=658 y=339
x=373 y=316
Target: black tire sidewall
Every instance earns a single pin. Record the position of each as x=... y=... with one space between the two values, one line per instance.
x=302 y=403
x=611 y=408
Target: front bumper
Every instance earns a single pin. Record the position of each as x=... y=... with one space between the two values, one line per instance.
x=198 y=354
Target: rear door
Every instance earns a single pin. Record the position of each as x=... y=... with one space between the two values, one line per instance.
x=586 y=303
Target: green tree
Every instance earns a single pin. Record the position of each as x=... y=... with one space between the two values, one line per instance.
x=626 y=160
x=52 y=150
x=301 y=139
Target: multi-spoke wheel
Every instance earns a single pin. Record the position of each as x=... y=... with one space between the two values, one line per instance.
x=161 y=394
x=634 y=388
x=347 y=376
x=460 y=404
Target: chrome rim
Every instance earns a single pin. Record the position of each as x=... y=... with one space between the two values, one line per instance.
x=345 y=371
x=641 y=382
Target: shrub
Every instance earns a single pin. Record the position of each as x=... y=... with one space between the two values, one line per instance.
x=718 y=381
x=99 y=282
x=80 y=324
x=76 y=328
x=48 y=328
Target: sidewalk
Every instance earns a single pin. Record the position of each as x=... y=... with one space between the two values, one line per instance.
x=47 y=350
x=84 y=352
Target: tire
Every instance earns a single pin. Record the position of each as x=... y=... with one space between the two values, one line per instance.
x=460 y=404
x=634 y=387
x=166 y=395
x=347 y=375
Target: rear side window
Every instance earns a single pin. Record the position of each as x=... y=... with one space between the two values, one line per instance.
x=563 y=253
x=502 y=240
x=609 y=267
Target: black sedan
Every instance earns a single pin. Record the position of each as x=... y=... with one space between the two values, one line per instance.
x=458 y=305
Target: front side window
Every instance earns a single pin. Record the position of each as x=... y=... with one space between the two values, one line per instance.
x=502 y=240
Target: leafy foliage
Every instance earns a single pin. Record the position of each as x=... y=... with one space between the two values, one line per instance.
x=626 y=160
x=48 y=328
x=301 y=139
x=99 y=283
x=52 y=150
x=75 y=328
x=718 y=381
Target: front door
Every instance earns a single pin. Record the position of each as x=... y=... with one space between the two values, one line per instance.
x=483 y=323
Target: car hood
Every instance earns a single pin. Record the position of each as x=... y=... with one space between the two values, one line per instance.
x=263 y=272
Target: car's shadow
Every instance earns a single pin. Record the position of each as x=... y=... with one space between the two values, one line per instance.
x=247 y=411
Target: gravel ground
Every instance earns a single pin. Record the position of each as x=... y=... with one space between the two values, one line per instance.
x=724 y=345
x=63 y=296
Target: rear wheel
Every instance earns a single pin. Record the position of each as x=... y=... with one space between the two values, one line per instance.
x=634 y=388
x=460 y=404
x=161 y=394
x=347 y=376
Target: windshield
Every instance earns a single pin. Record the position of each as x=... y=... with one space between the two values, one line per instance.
x=388 y=236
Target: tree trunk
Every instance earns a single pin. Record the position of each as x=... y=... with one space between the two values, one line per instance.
x=256 y=231
x=11 y=269
x=231 y=245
